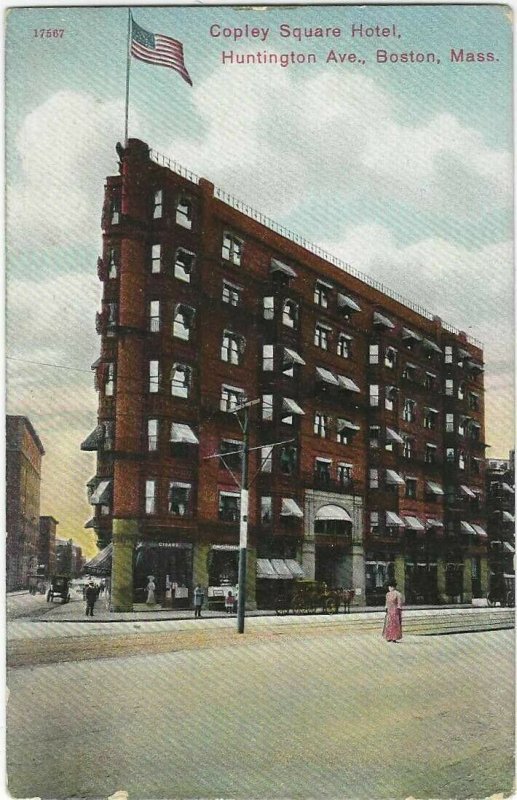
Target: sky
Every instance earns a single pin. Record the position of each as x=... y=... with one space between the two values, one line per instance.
x=403 y=170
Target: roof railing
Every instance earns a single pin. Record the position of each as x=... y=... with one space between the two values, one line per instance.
x=249 y=211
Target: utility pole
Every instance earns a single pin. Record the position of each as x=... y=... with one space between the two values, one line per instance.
x=243 y=529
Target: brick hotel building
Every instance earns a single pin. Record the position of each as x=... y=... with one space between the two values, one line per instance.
x=377 y=405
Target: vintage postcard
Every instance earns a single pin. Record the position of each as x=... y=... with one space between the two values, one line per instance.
x=260 y=402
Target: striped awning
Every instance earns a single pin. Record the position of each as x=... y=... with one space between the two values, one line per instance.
x=434 y=488
x=414 y=524
x=466 y=527
x=344 y=301
x=333 y=512
x=94 y=440
x=327 y=376
x=380 y=319
x=290 y=508
x=279 y=266
x=479 y=530
x=101 y=563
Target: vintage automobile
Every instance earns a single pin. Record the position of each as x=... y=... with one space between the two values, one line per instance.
x=59 y=587
x=311 y=597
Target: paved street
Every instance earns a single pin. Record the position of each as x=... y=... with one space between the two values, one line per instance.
x=267 y=716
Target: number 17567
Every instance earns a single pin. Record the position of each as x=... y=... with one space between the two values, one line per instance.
x=49 y=33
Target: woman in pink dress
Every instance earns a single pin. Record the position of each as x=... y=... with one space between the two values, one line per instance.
x=393 y=621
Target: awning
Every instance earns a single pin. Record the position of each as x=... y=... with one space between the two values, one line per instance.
x=334 y=513
x=394 y=519
x=409 y=334
x=344 y=301
x=507 y=517
x=479 y=530
x=279 y=569
x=393 y=436
x=97 y=363
x=343 y=424
x=348 y=384
x=326 y=376
x=434 y=488
x=91 y=523
x=509 y=547
x=507 y=488
x=279 y=266
x=101 y=563
x=414 y=524
x=475 y=367
x=325 y=284
x=380 y=319
x=468 y=492
x=101 y=495
x=290 y=508
x=291 y=406
x=433 y=523
x=432 y=410
x=292 y=356
x=183 y=433
x=429 y=345
x=94 y=440
x=466 y=527
x=265 y=569
x=462 y=353
x=295 y=567
x=431 y=445
x=394 y=478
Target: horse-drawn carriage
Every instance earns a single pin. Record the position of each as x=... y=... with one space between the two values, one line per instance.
x=312 y=597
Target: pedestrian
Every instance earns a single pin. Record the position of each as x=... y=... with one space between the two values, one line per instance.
x=392 y=630
x=229 y=602
x=91 y=595
x=199 y=596
x=151 y=588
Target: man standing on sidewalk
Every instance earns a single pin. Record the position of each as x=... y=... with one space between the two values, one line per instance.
x=91 y=597
x=198 y=600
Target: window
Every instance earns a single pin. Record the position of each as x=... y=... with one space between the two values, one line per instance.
x=448 y=354
x=231 y=293
x=475 y=466
x=229 y=506
x=269 y=307
x=322 y=471
x=115 y=209
x=430 y=454
x=475 y=432
x=232 y=248
x=267 y=406
x=321 y=336
x=411 y=488
x=463 y=426
x=231 y=454
x=152 y=435
x=179 y=498
x=184 y=212
x=430 y=381
x=150 y=496
x=461 y=391
x=390 y=357
x=409 y=372
x=113 y=259
x=373 y=354
x=158 y=204
x=344 y=474
x=232 y=347
x=450 y=455
x=430 y=418
x=321 y=294
x=408 y=448
x=266 y=509
x=461 y=460
x=345 y=431
x=112 y=315
x=320 y=425
x=109 y=387
x=268 y=352
x=181 y=379
x=290 y=314
x=154 y=376
x=344 y=345
x=449 y=423
x=374 y=394
x=183 y=319
x=183 y=264
x=389 y=397
x=231 y=398
x=375 y=433
x=288 y=459
x=408 y=412
x=156 y=258
x=266 y=458
x=473 y=401
x=374 y=522
x=154 y=316
x=374 y=479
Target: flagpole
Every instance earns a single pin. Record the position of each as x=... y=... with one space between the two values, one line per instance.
x=126 y=135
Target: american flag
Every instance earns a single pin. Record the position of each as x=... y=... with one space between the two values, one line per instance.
x=157 y=49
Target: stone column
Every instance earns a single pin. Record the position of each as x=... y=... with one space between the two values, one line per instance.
x=200 y=568
x=251 y=579
x=467 y=580
x=125 y=532
x=400 y=573
x=440 y=581
x=358 y=576
x=484 y=575
x=309 y=558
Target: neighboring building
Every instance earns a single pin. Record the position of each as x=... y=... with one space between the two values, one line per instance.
x=78 y=560
x=500 y=495
x=47 y=545
x=24 y=453
x=378 y=405
x=69 y=558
